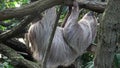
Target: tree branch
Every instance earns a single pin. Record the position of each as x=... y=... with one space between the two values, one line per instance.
x=16 y=45
x=17 y=60
x=39 y=5
x=19 y=47
x=91 y=5
x=15 y=31
x=42 y=5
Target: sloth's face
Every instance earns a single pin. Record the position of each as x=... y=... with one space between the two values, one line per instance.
x=89 y=16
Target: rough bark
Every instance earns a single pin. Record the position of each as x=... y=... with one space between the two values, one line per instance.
x=41 y=5
x=109 y=35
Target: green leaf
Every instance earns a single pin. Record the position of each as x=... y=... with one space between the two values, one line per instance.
x=2 y=28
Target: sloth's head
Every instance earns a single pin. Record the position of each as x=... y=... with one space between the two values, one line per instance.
x=89 y=18
x=89 y=15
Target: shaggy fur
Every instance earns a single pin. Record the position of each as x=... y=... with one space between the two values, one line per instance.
x=68 y=43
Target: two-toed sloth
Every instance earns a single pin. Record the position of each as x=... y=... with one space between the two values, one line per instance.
x=68 y=43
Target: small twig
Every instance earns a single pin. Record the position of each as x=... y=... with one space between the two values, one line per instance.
x=51 y=38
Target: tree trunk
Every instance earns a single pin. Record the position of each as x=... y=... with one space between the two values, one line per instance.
x=109 y=35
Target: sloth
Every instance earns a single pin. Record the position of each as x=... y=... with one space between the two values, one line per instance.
x=69 y=41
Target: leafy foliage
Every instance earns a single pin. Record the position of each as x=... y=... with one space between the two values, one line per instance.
x=5 y=4
x=5 y=62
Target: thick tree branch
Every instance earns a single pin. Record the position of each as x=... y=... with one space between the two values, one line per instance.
x=17 y=60
x=109 y=35
x=16 y=45
x=39 y=5
x=19 y=47
x=42 y=5
x=91 y=5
